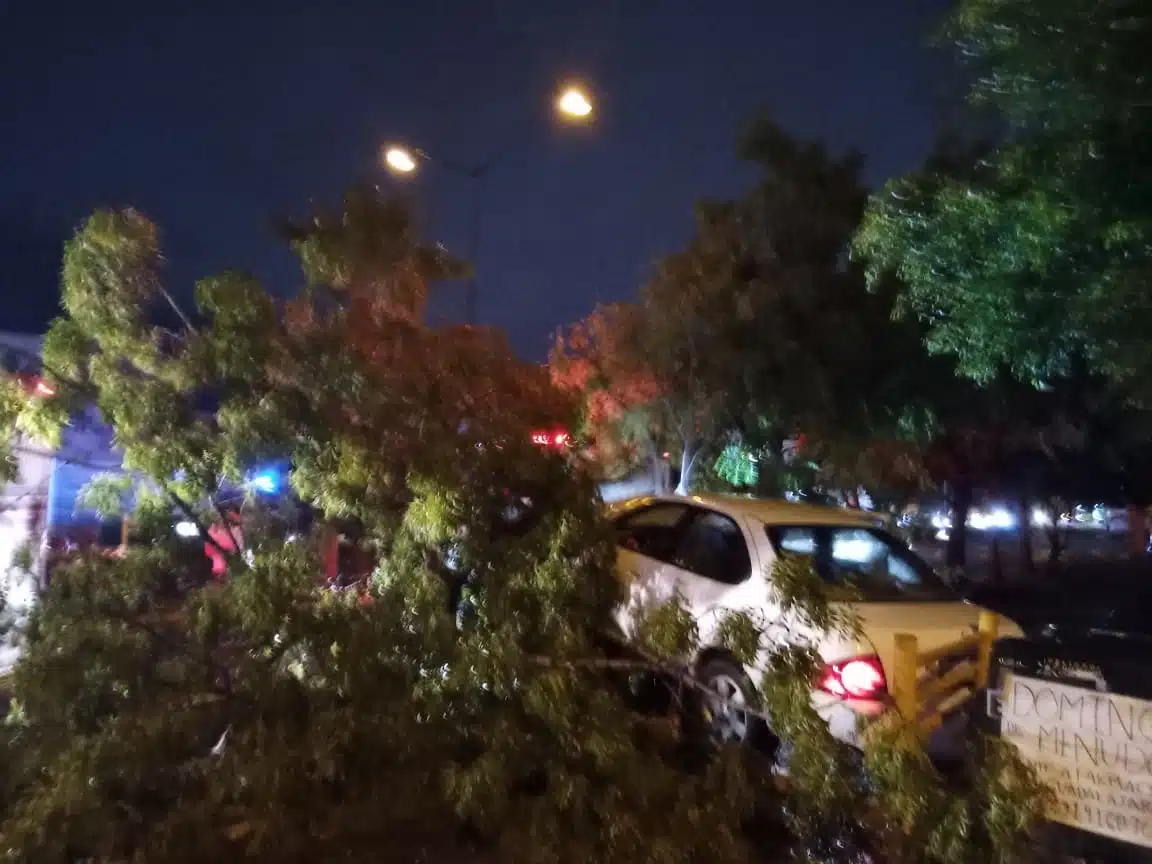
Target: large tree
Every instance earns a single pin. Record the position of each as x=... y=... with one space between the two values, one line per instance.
x=761 y=329
x=825 y=357
x=601 y=361
x=1040 y=250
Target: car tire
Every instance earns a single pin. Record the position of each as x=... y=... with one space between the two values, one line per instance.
x=720 y=717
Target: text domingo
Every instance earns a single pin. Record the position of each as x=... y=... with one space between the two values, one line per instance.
x=1083 y=727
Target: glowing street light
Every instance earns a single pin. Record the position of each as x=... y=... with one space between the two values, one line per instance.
x=574 y=103
x=400 y=159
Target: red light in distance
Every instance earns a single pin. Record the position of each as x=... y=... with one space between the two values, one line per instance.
x=554 y=440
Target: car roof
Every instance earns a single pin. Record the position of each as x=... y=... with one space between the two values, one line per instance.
x=769 y=511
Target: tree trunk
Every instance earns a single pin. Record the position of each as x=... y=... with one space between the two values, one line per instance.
x=1025 y=524
x=957 y=553
x=688 y=455
x=997 y=566
x=1137 y=531
x=658 y=467
x=1055 y=546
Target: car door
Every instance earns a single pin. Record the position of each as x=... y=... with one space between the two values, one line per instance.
x=646 y=542
x=712 y=568
x=668 y=549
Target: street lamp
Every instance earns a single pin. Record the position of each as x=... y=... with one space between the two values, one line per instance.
x=572 y=104
x=400 y=159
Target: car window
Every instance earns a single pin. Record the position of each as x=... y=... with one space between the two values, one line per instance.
x=869 y=560
x=855 y=550
x=713 y=546
x=653 y=531
x=795 y=540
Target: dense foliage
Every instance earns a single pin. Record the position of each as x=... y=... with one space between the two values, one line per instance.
x=162 y=715
x=626 y=408
x=1038 y=250
x=135 y=669
x=761 y=330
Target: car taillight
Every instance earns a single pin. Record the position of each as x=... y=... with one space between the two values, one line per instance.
x=858 y=678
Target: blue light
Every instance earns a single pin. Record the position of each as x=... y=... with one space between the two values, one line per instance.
x=267 y=482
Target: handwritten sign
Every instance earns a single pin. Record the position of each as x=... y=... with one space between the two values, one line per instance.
x=1094 y=750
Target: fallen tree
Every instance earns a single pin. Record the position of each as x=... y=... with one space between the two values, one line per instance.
x=160 y=715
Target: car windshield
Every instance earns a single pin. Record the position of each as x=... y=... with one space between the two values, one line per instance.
x=869 y=561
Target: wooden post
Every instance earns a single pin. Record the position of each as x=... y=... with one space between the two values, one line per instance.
x=123 y=533
x=904 y=677
x=988 y=626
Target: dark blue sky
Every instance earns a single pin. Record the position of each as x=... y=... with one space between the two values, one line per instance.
x=213 y=117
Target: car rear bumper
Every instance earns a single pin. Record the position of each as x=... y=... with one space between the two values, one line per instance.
x=848 y=721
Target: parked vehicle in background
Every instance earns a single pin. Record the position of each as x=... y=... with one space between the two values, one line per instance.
x=717 y=555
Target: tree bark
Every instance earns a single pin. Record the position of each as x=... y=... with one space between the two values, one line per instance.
x=659 y=471
x=1137 y=531
x=1055 y=546
x=997 y=566
x=1025 y=525
x=689 y=453
x=687 y=457
x=658 y=468
x=957 y=552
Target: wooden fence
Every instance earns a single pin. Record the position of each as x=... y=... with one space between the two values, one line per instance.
x=928 y=686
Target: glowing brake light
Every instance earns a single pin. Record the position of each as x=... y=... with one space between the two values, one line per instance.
x=858 y=678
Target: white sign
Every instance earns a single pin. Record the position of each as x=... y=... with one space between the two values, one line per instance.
x=1094 y=750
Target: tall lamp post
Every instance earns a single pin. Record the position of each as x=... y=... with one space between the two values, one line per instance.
x=572 y=104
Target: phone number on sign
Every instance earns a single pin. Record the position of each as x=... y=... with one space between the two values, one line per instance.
x=1087 y=815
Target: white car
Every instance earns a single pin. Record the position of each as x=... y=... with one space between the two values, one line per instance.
x=713 y=552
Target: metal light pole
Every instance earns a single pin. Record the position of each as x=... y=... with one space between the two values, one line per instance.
x=572 y=104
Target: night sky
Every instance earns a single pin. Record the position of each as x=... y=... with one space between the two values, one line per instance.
x=214 y=117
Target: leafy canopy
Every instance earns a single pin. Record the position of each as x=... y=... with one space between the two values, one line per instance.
x=161 y=715
x=1039 y=250
x=761 y=329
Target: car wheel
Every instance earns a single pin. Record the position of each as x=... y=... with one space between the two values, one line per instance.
x=728 y=694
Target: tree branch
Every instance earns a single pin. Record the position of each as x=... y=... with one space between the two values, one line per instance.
x=227 y=526
x=176 y=308
x=644 y=662
x=190 y=514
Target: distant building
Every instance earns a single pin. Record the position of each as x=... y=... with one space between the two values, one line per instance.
x=39 y=510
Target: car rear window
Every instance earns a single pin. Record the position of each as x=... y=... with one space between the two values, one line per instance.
x=869 y=560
